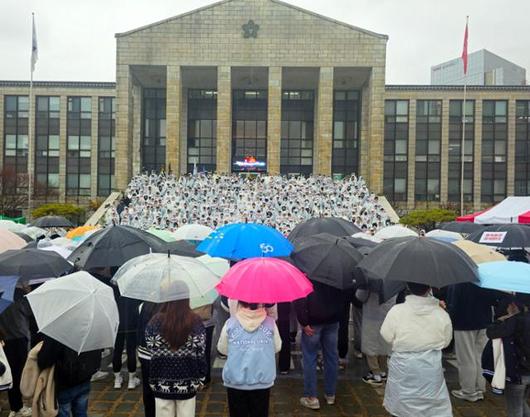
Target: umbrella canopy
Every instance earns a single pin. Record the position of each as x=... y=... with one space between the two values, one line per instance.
x=445 y=235
x=394 y=231
x=218 y=266
x=505 y=276
x=164 y=235
x=422 y=260
x=80 y=231
x=24 y=237
x=34 y=232
x=9 y=240
x=31 y=264
x=264 y=280
x=459 y=227
x=7 y=291
x=160 y=278
x=332 y=225
x=361 y=242
x=11 y=226
x=327 y=259
x=182 y=248
x=246 y=240
x=479 y=253
x=196 y=232
x=77 y=310
x=52 y=221
x=113 y=246
x=48 y=246
x=505 y=236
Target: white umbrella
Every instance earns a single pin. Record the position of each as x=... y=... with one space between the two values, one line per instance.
x=192 y=232
x=218 y=266
x=11 y=226
x=396 y=230
x=33 y=232
x=160 y=278
x=77 y=310
x=64 y=243
x=366 y=236
x=61 y=250
x=445 y=235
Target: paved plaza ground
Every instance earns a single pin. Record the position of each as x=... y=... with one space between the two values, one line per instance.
x=354 y=398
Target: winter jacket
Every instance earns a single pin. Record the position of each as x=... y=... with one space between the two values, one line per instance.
x=470 y=306
x=323 y=306
x=250 y=340
x=15 y=320
x=128 y=310
x=176 y=375
x=512 y=372
x=38 y=386
x=71 y=369
x=373 y=316
x=417 y=325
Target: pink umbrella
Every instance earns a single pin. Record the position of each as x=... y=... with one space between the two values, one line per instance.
x=264 y=280
x=8 y=241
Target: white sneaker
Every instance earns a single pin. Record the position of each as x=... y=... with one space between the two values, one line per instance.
x=11 y=414
x=98 y=376
x=472 y=398
x=330 y=399
x=118 y=381
x=134 y=381
x=311 y=403
x=24 y=412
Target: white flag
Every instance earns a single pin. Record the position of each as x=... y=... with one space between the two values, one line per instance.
x=34 y=47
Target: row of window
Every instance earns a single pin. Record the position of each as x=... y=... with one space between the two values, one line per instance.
x=47 y=143
x=428 y=149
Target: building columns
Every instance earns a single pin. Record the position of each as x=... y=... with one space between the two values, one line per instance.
x=123 y=125
x=224 y=119
x=411 y=174
x=376 y=137
x=510 y=152
x=173 y=108
x=477 y=157
x=324 y=122
x=136 y=162
x=274 y=123
x=444 y=154
x=94 y=149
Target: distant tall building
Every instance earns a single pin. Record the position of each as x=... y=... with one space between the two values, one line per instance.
x=484 y=68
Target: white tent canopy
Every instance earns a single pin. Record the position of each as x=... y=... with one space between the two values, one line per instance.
x=511 y=210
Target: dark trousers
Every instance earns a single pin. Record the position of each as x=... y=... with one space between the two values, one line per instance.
x=344 y=325
x=210 y=326
x=122 y=339
x=284 y=328
x=254 y=403
x=16 y=351
x=148 y=396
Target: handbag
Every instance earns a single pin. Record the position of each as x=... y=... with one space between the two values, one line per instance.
x=6 y=379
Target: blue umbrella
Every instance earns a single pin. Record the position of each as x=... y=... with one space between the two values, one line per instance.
x=246 y=240
x=505 y=276
x=7 y=291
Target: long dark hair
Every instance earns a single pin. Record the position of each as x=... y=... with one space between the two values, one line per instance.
x=176 y=322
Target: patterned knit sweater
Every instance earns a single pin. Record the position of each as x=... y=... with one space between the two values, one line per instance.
x=176 y=375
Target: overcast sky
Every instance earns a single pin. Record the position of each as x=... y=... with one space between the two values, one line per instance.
x=76 y=37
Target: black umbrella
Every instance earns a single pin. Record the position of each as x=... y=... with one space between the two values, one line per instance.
x=326 y=259
x=465 y=228
x=182 y=248
x=32 y=264
x=421 y=260
x=113 y=246
x=332 y=225
x=503 y=236
x=52 y=221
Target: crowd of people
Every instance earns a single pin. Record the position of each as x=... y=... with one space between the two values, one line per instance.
x=162 y=201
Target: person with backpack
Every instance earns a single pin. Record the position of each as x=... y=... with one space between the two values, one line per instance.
x=73 y=372
x=250 y=339
x=176 y=351
x=515 y=326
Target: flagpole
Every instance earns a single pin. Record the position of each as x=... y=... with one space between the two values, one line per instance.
x=30 y=123
x=462 y=145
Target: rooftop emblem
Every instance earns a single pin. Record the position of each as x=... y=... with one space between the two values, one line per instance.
x=250 y=30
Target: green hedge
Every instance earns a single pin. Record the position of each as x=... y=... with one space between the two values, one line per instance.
x=427 y=219
x=73 y=213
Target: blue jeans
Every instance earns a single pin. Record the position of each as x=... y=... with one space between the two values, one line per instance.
x=74 y=400
x=325 y=337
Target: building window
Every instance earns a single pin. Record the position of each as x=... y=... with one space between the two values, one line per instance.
x=202 y=130
x=296 y=155
x=106 y=145
x=455 y=150
x=16 y=110
x=494 y=139
x=428 y=148
x=249 y=131
x=154 y=130
x=346 y=116
x=396 y=149
x=522 y=148
x=79 y=146
x=47 y=145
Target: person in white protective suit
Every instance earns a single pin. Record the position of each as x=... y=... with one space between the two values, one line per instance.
x=417 y=330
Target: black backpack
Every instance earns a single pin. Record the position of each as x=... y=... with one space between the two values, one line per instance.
x=522 y=341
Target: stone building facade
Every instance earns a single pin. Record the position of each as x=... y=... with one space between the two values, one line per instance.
x=264 y=86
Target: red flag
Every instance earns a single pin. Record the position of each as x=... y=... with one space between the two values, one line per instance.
x=464 y=51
